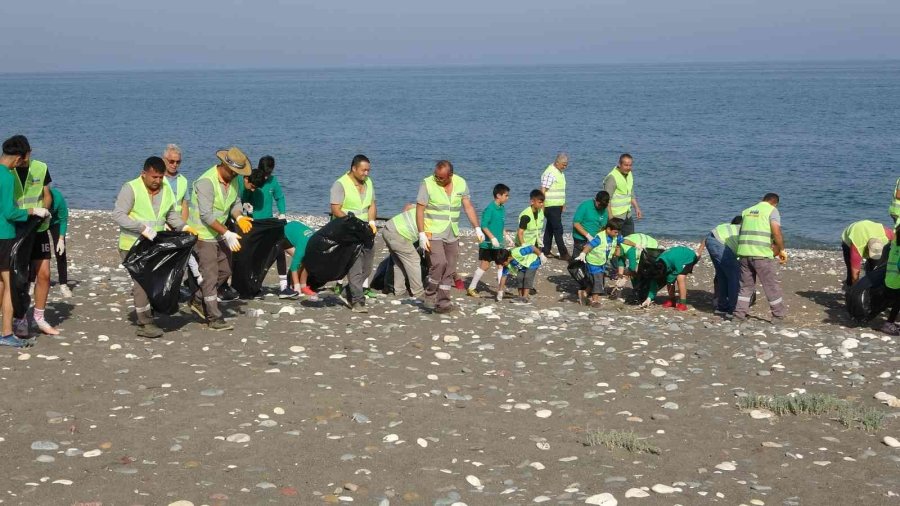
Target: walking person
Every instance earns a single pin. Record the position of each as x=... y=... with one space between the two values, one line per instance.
x=619 y=183
x=759 y=243
x=354 y=193
x=441 y=198
x=553 y=185
x=59 y=226
x=175 y=180
x=401 y=238
x=15 y=149
x=216 y=196
x=493 y=220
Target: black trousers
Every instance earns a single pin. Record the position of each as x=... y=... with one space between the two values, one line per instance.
x=62 y=265
x=553 y=230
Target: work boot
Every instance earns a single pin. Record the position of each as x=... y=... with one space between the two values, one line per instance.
x=197 y=308
x=359 y=307
x=219 y=324
x=227 y=293
x=149 y=330
x=471 y=292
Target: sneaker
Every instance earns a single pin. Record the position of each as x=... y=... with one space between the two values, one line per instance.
x=310 y=293
x=337 y=288
x=681 y=307
x=359 y=307
x=890 y=329
x=260 y=295
x=288 y=293
x=220 y=324
x=46 y=328
x=370 y=294
x=459 y=285
x=149 y=330
x=20 y=328
x=14 y=342
x=668 y=303
x=471 y=292
x=197 y=308
x=227 y=293
x=65 y=291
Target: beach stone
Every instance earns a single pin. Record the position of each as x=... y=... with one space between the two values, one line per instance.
x=726 y=466
x=212 y=392
x=451 y=339
x=759 y=414
x=636 y=493
x=543 y=413
x=44 y=446
x=422 y=442
x=69 y=482
x=92 y=453
x=670 y=405
x=297 y=349
x=824 y=351
x=181 y=503
x=659 y=488
x=849 y=343
x=390 y=438
x=891 y=441
x=474 y=481
x=45 y=459
x=238 y=437
x=604 y=499
x=442 y=355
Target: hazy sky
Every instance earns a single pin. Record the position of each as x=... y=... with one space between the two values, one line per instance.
x=48 y=35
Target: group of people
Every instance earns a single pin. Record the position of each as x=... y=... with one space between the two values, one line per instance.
x=220 y=206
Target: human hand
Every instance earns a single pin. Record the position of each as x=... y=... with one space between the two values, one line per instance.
x=61 y=246
x=647 y=303
x=232 y=240
x=495 y=243
x=543 y=258
x=373 y=227
x=479 y=234
x=244 y=223
x=189 y=229
x=581 y=256
x=247 y=208
x=149 y=233
x=424 y=243
x=40 y=212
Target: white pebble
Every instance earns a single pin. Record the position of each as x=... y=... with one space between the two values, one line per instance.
x=390 y=438
x=422 y=442
x=297 y=349
x=442 y=355
x=543 y=413
x=659 y=488
x=726 y=466
x=636 y=493
x=891 y=441
x=823 y=351
x=278 y=411
x=474 y=481
x=238 y=438
x=92 y=453
x=604 y=499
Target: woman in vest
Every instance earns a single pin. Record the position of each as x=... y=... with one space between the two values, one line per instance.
x=721 y=242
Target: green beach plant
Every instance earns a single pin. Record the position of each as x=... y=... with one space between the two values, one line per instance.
x=848 y=414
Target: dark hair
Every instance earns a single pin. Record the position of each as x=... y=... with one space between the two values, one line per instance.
x=257 y=177
x=771 y=197
x=156 y=164
x=443 y=163
x=358 y=159
x=267 y=165
x=737 y=220
x=624 y=156
x=17 y=145
x=603 y=198
x=500 y=189
x=502 y=255
x=536 y=194
x=615 y=224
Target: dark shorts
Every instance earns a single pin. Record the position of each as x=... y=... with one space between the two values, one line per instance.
x=689 y=268
x=5 y=250
x=488 y=255
x=525 y=279
x=598 y=283
x=41 y=249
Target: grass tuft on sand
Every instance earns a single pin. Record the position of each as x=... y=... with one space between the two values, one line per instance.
x=613 y=439
x=849 y=415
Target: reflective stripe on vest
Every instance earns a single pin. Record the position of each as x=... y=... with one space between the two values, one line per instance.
x=556 y=194
x=620 y=200
x=895 y=202
x=142 y=211
x=180 y=189
x=600 y=255
x=522 y=261
x=221 y=204
x=32 y=194
x=442 y=210
x=353 y=203
x=892 y=277
x=755 y=237
x=727 y=234
x=532 y=232
x=641 y=242
x=405 y=224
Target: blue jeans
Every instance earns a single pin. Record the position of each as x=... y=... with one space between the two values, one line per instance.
x=728 y=274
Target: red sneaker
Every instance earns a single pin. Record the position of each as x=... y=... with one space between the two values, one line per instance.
x=459 y=285
x=681 y=307
x=668 y=303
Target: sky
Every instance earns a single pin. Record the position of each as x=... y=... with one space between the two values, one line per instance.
x=90 y=35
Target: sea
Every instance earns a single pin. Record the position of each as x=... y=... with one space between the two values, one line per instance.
x=708 y=140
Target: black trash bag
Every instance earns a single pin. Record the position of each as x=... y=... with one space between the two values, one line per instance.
x=383 y=279
x=333 y=248
x=158 y=267
x=868 y=297
x=20 y=265
x=258 y=250
x=649 y=270
x=578 y=270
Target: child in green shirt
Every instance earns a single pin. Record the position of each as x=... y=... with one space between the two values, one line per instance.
x=493 y=219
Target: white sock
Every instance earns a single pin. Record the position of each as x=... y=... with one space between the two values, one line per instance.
x=366 y=283
x=298 y=287
x=499 y=274
x=282 y=281
x=476 y=278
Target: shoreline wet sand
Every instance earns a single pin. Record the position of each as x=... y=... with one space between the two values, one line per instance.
x=495 y=403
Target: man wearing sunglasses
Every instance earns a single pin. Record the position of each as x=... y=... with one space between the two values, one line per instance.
x=174 y=180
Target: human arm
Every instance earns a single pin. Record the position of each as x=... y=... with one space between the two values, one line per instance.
x=701 y=247
x=8 y=208
x=470 y=212
x=547 y=181
x=778 y=241
x=609 y=186
x=520 y=231
x=337 y=200
x=124 y=204
x=62 y=214
x=205 y=194
x=637 y=209
x=278 y=195
x=855 y=264
x=173 y=218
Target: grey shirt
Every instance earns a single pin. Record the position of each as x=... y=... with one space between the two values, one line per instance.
x=125 y=203
x=775 y=217
x=206 y=195
x=173 y=184
x=337 y=197
x=609 y=186
x=447 y=235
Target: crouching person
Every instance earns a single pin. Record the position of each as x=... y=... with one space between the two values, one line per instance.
x=598 y=255
x=521 y=265
x=673 y=266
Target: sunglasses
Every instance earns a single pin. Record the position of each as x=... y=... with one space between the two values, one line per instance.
x=174 y=162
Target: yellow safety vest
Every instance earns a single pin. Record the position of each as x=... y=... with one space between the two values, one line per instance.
x=620 y=200
x=523 y=261
x=755 y=237
x=142 y=211
x=727 y=234
x=180 y=189
x=352 y=202
x=443 y=210
x=405 y=224
x=895 y=202
x=32 y=194
x=641 y=242
x=556 y=194
x=532 y=233
x=892 y=276
x=600 y=255
x=222 y=204
x=858 y=234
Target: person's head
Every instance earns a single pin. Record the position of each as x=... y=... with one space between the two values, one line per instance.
x=614 y=226
x=501 y=193
x=737 y=220
x=625 y=163
x=233 y=162
x=503 y=257
x=771 y=198
x=266 y=166
x=172 y=157
x=153 y=173
x=874 y=248
x=562 y=161
x=601 y=200
x=537 y=199
x=443 y=172
x=359 y=168
x=248 y=183
x=16 y=151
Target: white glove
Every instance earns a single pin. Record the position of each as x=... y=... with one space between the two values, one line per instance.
x=499 y=296
x=282 y=217
x=61 y=246
x=247 y=208
x=581 y=256
x=424 y=243
x=543 y=258
x=232 y=240
x=494 y=242
x=647 y=302
x=479 y=234
x=589 y=237
x=620 y=283
x=40 y=212
x=149 y=233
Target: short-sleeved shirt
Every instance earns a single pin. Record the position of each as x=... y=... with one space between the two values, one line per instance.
x=337 y=195
x=775 y=216
x=298 y=235
x=447 y=235
x=677 y=259
x=590 y=218
x=524 y=220
x=22 y=172
x=493 y=218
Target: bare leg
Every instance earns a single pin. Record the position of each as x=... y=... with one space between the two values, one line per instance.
x=6 y=303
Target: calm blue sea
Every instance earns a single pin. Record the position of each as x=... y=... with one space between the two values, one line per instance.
x=708 y=140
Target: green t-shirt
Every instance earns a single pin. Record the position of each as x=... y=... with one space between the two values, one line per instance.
x=493 y=218
x=262 y=198
x=9 y=212
x=590 y=218
x=676 y=258
x=298 y=235
x=59 y=211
